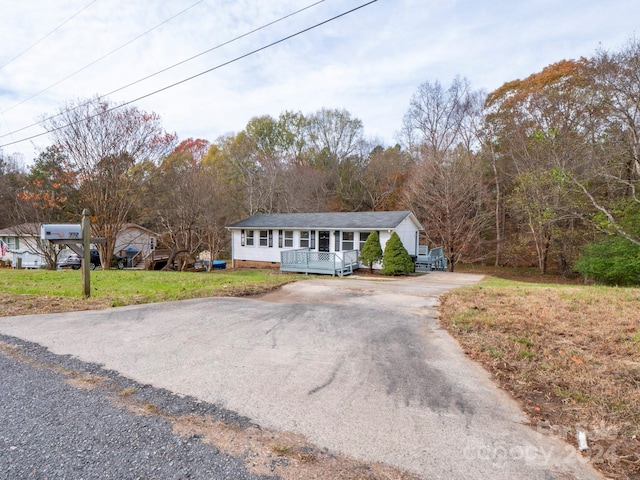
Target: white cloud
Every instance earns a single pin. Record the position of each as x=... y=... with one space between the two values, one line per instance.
x=369 y=62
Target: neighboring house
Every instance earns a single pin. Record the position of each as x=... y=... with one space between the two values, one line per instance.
x=21 y=246
x=137 y=244
x=23 y=250
x=260 y=240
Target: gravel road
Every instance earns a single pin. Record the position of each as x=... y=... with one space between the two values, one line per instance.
x=51 y=428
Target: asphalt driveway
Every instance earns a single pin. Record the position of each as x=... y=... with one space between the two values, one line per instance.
x=358 y=366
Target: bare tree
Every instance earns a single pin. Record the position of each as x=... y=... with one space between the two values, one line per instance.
x=108 y=147
x=445 y=188
x=448 y=195
x=181 y=203
x=438 y=120
x=336 y=133
x=384 y=177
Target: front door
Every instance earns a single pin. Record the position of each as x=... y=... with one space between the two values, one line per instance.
x=324 y=241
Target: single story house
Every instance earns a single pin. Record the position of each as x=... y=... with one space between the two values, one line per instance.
x=137 y=244
x=260 y=240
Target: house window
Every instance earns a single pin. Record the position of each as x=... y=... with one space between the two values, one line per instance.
x=243 y=238
x=336 y=238
x=250 y=238
x=288 y=238
x=363 y=239
x=308 y=239
x=304 y=240
x=347 y=240
x=264 y=238
x=285 y=238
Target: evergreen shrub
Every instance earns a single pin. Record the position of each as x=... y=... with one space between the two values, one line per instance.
x=396 y=259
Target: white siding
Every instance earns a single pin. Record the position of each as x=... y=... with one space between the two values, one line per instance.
x=24 y=248
x=256 y=253
x=28 y=260
x=134 y=237
x=407 y=231
x=385 y=235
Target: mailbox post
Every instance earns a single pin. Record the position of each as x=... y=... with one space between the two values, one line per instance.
x=86 y=253
x=77 y=238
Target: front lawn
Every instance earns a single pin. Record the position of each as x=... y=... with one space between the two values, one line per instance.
x=44 y=291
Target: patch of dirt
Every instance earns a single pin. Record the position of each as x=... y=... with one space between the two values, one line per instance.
x=11 y=305
x=286 y=454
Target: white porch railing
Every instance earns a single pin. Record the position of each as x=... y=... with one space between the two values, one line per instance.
x=306 y=261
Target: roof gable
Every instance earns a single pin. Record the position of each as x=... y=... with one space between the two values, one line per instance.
x=328 y=220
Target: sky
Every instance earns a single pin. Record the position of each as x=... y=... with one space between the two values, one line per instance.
x=369 y=62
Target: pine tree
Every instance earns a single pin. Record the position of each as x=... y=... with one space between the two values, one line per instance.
x=396 y=259
x=371 y=251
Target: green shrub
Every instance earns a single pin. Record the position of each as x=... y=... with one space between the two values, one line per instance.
x=614 y=261
x=396 y=259
x=371 y=251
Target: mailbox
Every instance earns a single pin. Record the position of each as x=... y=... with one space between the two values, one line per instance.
x=61 y=232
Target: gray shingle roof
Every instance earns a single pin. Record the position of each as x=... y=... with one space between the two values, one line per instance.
x=336 y=220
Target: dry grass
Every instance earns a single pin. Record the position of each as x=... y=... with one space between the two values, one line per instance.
x=288 y=455
x=569 y=353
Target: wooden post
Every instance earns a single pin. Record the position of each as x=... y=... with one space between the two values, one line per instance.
x=86 y=251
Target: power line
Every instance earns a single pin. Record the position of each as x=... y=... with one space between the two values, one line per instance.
x=167 y=68
x=51 y=32
x=289 y=37
x=40 y=40
x=103 y=57
x=217 y=67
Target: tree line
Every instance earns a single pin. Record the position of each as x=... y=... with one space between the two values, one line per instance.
x=542 y=171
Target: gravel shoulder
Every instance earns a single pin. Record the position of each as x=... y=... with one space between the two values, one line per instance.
x=62 y=418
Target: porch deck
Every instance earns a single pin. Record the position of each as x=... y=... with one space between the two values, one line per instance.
x=329 y=263
x=429 y=260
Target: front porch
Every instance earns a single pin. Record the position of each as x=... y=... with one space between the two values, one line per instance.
x=429 y=260
x=304 y=260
